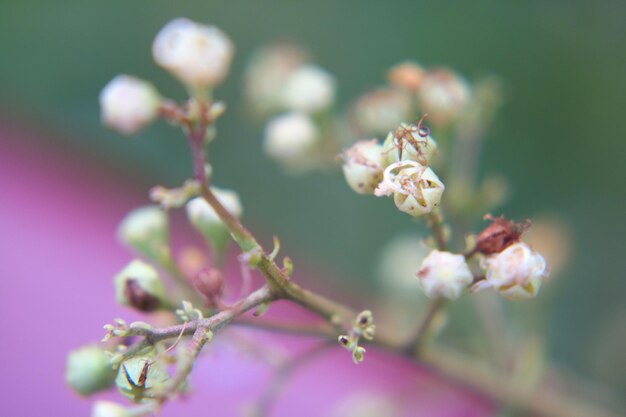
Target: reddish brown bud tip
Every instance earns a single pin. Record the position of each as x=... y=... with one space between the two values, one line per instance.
x=210 y=283
x=139 y=298
x=500 y=234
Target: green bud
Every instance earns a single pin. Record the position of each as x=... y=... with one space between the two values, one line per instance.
x=146 y=230
x=358 y=354
x=202 y=216
x=140 y=378
x=139 y=286
x=89 y=370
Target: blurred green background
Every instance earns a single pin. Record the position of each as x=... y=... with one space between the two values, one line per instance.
x=560 y=137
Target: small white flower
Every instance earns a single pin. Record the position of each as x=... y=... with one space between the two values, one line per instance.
x=444 y=274
x=405 y=143
x=290 y=138
x=309 y=89
x=198 y=55
x=516 y=272
x=443 y=95
x=363 y=166
x=128 y=104
x=416 y=189
x=202 y=216
x=146 y=230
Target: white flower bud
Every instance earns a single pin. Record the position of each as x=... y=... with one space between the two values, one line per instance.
x=309 y=89
x=202 y=216
x=145 y=230
x=89 y=370
x=198 y=55
x=381 y=110
x=416 y=189
x=128 y=104
x=139 y=378
x=363 y=166
x=266 y=74
x=516 y=272
x=444 y=274
x=290 y=139
x=109 y=409
x=139 y=286
x=405 y=144
x=443 y=95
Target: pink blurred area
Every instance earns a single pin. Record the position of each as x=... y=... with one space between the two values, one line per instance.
x=58 y=253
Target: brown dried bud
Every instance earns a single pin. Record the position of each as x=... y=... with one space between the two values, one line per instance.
x=210 y=283
x=499 y=235
x=139 y=298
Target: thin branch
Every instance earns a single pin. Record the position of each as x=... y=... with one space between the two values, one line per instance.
x=424 y=325
x=213 y=323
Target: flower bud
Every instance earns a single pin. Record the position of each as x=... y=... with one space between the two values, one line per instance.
x=110 y=409
x=198 y=55
x=515 y=272
x=146 y=230
x=266 y=74
x=139 y=378
x=407 y=75
x=358 y=355
x=202 y=216
x=416 y=189
x=406 y=144
x=443 y=95
x=380 y=111
x=444 y=274
x=128 y=104
x=89 y=370
x=210 y=283
x=290 y=139
x=139 y=286
x=309 y=89
x=363 y=166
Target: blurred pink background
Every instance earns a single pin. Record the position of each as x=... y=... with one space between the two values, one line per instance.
x=58 y=254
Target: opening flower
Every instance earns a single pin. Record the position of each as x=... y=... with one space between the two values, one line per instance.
x=416 y=189
x=516 y=272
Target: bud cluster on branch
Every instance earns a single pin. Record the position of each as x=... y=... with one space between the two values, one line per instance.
x=296 y=98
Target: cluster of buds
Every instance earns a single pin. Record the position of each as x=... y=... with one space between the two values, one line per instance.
x=508 y=265
x=399 y=167
x=411 y=89
x=363 y=327
x=282 y=84
x=199 y=56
